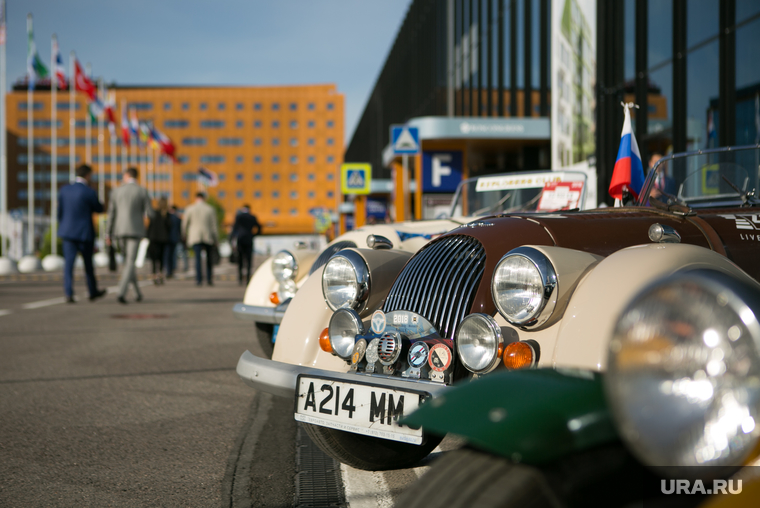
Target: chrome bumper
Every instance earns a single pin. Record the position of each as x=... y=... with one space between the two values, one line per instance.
x=259 y=314
x=280 y=378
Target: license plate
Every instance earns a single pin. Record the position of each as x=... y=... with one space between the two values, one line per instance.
x=357 y=407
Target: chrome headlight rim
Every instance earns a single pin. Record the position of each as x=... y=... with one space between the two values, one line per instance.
x=278 y=275
x=717 y=399
x=493 y=327
x=363 y=280
x=345 y=348
x=549 y=280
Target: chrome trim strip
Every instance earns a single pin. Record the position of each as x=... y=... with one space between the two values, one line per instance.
x=259 y=314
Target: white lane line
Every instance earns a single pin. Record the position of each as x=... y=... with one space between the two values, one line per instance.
x=61 y=299
x=5 y=312
x=365 y=489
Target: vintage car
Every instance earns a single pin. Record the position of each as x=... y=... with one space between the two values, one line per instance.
x=279 y=277
x=680 y=402
x=504 y=292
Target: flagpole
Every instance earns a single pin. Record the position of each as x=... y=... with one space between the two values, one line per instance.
x=72 y=116
x=171 y=180
x=133 y=149
x=87 y=124
x=30 y=153
x=114 y=151
x=151 y=180
x=143 y=170
x=124 y=158
x=53 y=147
x=3 y=154
x=101 y=169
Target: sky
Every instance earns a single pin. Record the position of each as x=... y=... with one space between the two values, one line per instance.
x=224 y=42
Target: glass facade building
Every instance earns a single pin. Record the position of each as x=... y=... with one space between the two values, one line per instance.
x=690 y=66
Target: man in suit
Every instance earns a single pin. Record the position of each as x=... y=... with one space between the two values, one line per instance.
x=244 y=230
x=175 y=237
x=76 y=204
x=199 y=230
x=127 y=208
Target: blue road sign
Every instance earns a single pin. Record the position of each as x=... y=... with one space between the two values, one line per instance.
x=405 y=140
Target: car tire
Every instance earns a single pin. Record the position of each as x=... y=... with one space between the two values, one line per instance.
x=263 y=332
x=369 y=453
x=605 y=476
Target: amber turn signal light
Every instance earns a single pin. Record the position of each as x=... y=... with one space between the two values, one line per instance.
x=274 y=298
x=324 y=341
x=519 y=355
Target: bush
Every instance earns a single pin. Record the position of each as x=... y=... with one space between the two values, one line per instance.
x=47 y=245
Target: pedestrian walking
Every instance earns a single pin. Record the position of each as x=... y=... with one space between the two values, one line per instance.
x=244 y=231
x=175 y=238
x=158 y=235
x=76 y=204
x=127 y=209
x=199 y=230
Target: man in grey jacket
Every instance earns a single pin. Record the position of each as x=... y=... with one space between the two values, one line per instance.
x=199 y=230
x=127 y=208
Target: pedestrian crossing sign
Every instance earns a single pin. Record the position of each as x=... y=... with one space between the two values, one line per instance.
x=355 y=178
x=405 y=140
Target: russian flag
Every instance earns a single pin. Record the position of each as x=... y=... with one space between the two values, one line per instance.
x=629 y=172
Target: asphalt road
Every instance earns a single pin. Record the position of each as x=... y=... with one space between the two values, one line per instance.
x=105 y=404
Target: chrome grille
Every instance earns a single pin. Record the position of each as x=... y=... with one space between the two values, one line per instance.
x=439 y=283
x=328 y=253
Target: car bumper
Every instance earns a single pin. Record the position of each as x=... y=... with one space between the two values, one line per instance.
x=280 y=378
x=259 y=314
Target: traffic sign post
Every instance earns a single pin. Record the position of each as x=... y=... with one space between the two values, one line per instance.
x=405 y=141
x=356 y=180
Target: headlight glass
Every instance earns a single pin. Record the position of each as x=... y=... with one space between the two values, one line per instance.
x=521 y=285
x=345 y=281
x=345 y=325
x=284 y=266
x=684 y=373
x=287 y=289
x=478 y=339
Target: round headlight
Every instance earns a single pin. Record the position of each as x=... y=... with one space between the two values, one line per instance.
x=345 y=281
x=284 y=266
x=522 y=284
x=478 y=340
x=287 y=289
x=684 y=372
x=345 y=325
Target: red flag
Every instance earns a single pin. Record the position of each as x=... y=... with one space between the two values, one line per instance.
x=83 y=83
x=124 y=127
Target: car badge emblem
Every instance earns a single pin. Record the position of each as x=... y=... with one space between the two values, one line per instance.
x=359 y=348
x=378 y=322
x=389 y=348
x=440 y=358
x=372 y=351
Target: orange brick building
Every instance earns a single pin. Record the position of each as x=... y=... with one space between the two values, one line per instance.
x=276 y=148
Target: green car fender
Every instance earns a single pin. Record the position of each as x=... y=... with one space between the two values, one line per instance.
x=532 y=416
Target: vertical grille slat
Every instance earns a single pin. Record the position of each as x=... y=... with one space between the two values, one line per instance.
x=440 y=282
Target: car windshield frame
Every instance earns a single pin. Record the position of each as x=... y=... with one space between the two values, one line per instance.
x=733 y=193
x=577 y=176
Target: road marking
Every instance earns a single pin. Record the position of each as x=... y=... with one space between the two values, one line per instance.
x=61 y=299
x=5 y=312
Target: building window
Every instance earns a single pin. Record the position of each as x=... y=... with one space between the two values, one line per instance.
x=330 y=124
x=330 y=158
x=167 y=106
x=330 y=176
x=293 y=195
x=311 y=124
x=65 y=106
x=239 y=177
x=185 y=194
x=140 y=106
x=239 y=124
x=275 y=141
x=275 y=124
x=185 y=106
x=212 y=124
x=311 y=159
x=275 y=159
x=257 y=124
x=213 y=159
x=24 y=106
x=293 y=124
x=221 y=106
x=275 y=194
x=257 y=159
x=230 y=141
x=312 y=195
x=222 y=177
x=329 y=194
x=239 y=159
x=311 y=142
x=275 y=106
x=330 y=106
x=293 y=106
x=257 y=142
x=203 y=106
x=194 y=141
x=239 y=106
x=257 y=177
x=176 y=124
x=293 y=177
x=222 y=194
x=294 y=159
x=239 y=194
x=41 y=124
x=311 y=106
x=257 y=106
x=257 y=194
x=275 y=177
x=330 y=141
x=182 y=159
x=293 y=141
x=311 y=177
x=275 y=211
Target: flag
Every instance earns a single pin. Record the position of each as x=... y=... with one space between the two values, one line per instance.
x=35 y=69
x=167 y=146
x=144 y=133
x=628 y=172
x=134 y=124
x=153 y=137
x=95 y=107
x=3 y=31
x=82 y=82
x=207 y=177
x=124 y=127
x=108 y=110
x=60 y=73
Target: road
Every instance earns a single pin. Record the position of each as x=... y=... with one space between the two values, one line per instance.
x=105 y=404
